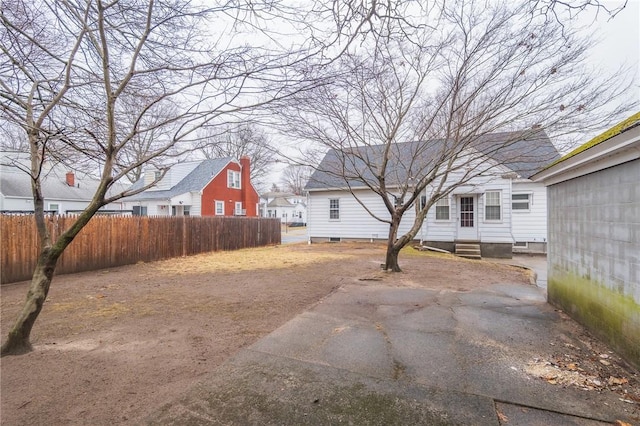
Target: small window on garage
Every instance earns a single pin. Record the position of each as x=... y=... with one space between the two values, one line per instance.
x=521 y=202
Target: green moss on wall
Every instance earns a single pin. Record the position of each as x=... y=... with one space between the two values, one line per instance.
x=610 y=315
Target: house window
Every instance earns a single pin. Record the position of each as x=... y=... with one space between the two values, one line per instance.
x=219 y=208
x=233 y=179
x=55 y=208
x=492 y=207
x=157 y=174
x=442 y=209
x=139 y=211
x=186 y=210
x=521 y=202
x=334 y=209
x=238 y=209
x=423 y=201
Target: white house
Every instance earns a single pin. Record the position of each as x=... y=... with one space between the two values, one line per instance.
x=501 y=210
x=64 y=190
x=290 y=208
x=594 y=236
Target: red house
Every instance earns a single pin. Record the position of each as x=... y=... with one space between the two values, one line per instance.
x=216 y=187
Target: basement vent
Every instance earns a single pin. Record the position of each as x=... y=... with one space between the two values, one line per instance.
x=334 y=239
x=521 y=244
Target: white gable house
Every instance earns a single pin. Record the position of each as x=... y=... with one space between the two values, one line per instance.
x=289 y=208
x=502 y=210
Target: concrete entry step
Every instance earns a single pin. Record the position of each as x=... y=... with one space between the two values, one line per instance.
x=468 y=250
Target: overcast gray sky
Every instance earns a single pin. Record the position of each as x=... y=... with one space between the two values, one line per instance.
x=620 y=37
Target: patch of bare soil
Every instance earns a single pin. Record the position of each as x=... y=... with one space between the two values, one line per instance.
x=113 y=345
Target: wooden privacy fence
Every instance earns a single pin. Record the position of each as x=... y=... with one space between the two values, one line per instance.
x=108 y=241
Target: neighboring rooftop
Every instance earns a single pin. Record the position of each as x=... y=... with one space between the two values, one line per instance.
x=280 y=202
x=16 y=182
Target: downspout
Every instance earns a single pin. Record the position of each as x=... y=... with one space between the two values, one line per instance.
x=307 y=218
x=425 y=222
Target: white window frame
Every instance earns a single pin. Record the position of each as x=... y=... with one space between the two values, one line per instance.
x=488 y=199
x=216 y=204
x=443 y=202
x=334 y=207
x=56 y=208
x=528 y=202
x=237 y=211
x=233 y=179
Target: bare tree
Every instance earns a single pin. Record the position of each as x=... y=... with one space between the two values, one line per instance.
x=294 y=178
x=244 y=139
x=410 y=117
x=111 y=86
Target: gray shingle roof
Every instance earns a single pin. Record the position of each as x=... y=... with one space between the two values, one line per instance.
x=523 y=152
x=194 y=181
x=280 y=202
x=17 y=183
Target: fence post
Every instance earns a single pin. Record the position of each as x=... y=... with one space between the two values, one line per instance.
x=184 y=235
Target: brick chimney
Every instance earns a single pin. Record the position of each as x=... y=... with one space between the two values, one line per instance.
x=71 y=179
x=245 y=176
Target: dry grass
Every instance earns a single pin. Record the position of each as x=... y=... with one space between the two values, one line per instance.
x=276 y=257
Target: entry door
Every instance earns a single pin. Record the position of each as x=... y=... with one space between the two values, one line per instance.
x=467 y=218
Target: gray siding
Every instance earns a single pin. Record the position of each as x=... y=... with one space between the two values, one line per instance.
x=594 y=253
x=594 y=222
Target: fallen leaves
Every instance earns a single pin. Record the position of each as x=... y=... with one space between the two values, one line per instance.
x=585 y=369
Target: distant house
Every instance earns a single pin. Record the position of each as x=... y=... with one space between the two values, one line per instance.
x=64 y=191
x=289 y=208
x=500 y=212
x=215 y=187
x=594 y=235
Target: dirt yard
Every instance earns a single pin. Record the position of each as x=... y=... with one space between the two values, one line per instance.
x=112 y=345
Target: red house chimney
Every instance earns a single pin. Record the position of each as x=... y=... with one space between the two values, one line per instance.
x=245 y=176
x=71 y=180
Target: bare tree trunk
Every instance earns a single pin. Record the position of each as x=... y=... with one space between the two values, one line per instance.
x=391 y=262
x=18 y=339
x=393 y=249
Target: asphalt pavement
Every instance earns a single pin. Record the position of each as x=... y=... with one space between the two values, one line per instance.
x=379 y=354
x=296 y=234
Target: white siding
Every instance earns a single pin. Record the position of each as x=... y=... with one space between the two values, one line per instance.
x=15 y=203
x=356 y=222
x=531 y=226
x=440 y=230
x=174 y=175
x=496 y=231
x=196 y=204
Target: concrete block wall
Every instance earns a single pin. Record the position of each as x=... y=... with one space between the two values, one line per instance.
x=594 y=253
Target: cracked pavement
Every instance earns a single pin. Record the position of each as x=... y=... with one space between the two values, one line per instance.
x=380 y=354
